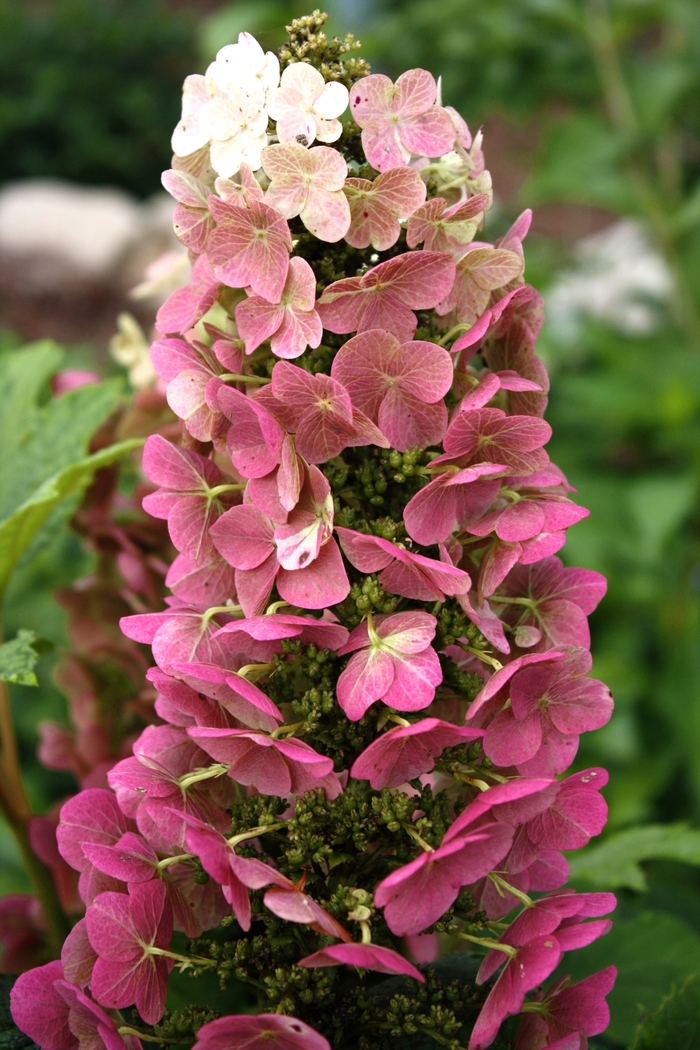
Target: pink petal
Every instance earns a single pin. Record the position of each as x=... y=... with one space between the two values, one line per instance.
x=250 y=247
x=365 y=956
x=260 y=1032
x=510 y=742
x=405 y=752
x=49 y=1024
x=243 y=536
x=416 y=677
x=366 y=679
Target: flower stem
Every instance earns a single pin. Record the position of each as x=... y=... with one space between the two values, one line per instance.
x=216 y=770
x=502 y=885
x=486 y=942
x=253 y=833
x=234 y=377
x=416 y=837
x=15 y=808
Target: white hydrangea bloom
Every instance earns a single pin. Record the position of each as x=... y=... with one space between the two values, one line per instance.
x=226 y=108
x=236 y=127
x=245 y=65
x=189 y=135
x=306 y=107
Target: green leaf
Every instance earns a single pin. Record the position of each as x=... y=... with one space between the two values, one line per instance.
x=17 y=531
x=615 y=862
x=652 y=952
x=19 y=657
x=40 y=434
x=675 y=1024
x=581 y=164
x=10 y=1036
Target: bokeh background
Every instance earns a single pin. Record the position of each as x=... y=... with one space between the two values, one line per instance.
x=591 y=116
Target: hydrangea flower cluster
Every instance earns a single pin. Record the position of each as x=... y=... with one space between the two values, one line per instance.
x=373 y=669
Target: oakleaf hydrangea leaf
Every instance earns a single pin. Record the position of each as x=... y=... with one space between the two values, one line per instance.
x=19 y=656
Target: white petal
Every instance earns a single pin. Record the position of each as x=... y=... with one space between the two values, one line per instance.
x=328 y=130
x=226 y=157
x=305 y=79
x=332 y=102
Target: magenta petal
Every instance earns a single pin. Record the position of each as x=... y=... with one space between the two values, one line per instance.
x=365 y=956
x=39 y=1010
x=417 y=894
x=366 y=678
x=90 y=816
x=405 y=752
x=509 y=741
x=260 y=1032
x=318 y=585
x=416 y=677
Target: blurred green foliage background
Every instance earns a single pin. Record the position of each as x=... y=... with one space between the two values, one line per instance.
x=591 y=111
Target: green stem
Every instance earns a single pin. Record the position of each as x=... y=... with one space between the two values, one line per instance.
x=234 y=377
x=618 y=101
x=15 y=808
x=494 y=946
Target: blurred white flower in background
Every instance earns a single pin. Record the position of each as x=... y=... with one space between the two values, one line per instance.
x=619 y=280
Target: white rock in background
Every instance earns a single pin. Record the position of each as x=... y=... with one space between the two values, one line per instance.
x=620 y=280
x=59 y=234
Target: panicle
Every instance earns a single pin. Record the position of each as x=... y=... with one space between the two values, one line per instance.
x=372 y=668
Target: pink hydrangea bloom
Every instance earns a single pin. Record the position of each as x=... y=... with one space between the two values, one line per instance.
x=522 y=510
x=446 y=230
x=241 y=189
x=376 y=208
x=185 y=499
x=405 y=752
x=261 y=450
x=59 y=1016
x=309 y=183
x=272 y=766
x=400 y=387
x=262 y=1032
x=559 y=601
x=275 y=626
x=179 y=634
x=312 y=574
x=318 y=409
x=288 y=901
x=540 y=935
x=306 y=107
x=395 y=663
x=479 y=272
x=453 y=498
x=402 y=571
x=122 y=930
x=292 y=324
x=417 y=894
x=364 y=956
x=187 y=368
x=550 y=706
x=250 y=247
x=92 y=815
x=236 y=875
x=578 y=1010
x=488 y=435
x=152 y=786
x=270 y=455
x=192 y=219
x=386 y=296
x=400 y=119
x=183 y=308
